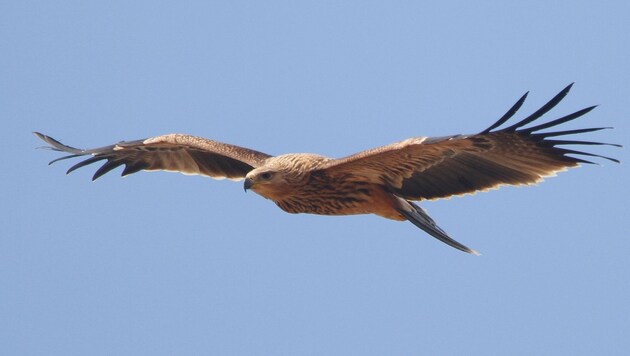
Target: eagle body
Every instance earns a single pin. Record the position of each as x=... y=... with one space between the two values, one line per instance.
x=339 y=196
x=385 y=181
x=298 y=184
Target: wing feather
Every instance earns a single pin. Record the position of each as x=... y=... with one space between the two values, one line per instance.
x=433 y=168
x=175 y=152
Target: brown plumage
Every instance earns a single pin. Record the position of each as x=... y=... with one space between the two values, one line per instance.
x=382 y=181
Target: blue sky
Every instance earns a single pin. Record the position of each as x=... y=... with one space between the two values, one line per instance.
x=161 y=263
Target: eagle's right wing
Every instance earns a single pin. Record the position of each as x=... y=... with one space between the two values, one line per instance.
x=175 y=153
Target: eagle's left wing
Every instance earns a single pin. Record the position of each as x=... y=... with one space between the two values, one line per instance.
x=432 y=168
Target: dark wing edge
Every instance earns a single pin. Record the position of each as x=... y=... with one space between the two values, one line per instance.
x=541 y=138
x=440 y=167
x=174 y=152
x=493 y=158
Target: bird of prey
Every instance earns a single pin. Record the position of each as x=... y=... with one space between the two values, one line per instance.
x=384 y=181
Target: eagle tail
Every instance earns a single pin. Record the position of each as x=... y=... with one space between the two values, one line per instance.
x=419 y=217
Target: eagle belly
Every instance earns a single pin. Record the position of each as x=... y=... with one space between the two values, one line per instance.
x=340 y=198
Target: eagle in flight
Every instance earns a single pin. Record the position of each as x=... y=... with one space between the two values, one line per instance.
x=384 y=181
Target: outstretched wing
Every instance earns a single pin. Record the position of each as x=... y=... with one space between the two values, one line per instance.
x=432 y=168
x=175 y=153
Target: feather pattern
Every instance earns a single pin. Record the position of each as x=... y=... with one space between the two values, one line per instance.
x=175 y=152
x=433 y=168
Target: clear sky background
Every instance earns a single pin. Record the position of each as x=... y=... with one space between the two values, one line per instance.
x=165 y=264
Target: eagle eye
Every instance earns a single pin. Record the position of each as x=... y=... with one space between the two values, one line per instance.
x=266 y=175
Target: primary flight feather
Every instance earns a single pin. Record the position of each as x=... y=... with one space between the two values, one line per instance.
x=383 y=181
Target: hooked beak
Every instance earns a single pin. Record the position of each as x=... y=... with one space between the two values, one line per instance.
x=248 y=184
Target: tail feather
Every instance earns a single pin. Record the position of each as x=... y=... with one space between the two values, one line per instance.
x=419 y=217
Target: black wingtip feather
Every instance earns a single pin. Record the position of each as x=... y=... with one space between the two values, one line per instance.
x=561 y=120
x=566 y=151
x=579 y=142
x=105 y=168
x=62 y=158
x=85 y=163
x=508 y=114
x=133 y=168
x=543 y=135
x=542 y=111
